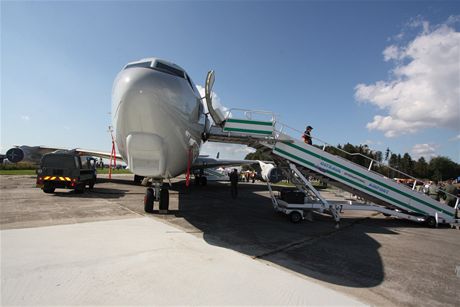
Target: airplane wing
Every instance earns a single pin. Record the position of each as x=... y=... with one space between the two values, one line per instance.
x=207 y=162
x=34 y=154
x=99 y=154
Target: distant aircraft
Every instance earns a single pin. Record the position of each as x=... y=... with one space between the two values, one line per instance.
x=160 y=124
x=33 y=154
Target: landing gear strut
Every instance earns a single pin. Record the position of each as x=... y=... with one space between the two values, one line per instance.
x=159 y=193
x=200 y=178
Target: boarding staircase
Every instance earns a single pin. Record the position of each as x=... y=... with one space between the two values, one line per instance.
x=301 y=160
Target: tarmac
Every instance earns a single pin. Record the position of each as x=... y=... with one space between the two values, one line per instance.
x=101 y=248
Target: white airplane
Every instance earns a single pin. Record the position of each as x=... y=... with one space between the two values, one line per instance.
x=160 y=124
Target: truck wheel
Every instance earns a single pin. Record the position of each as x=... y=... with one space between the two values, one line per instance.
x=148 y=200
x=295 y=217
x=79 y=189
x=92 y=183
x=203 y=181
x=48 y=189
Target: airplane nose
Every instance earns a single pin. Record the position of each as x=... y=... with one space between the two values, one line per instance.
x=144 y=101
x=137 y=113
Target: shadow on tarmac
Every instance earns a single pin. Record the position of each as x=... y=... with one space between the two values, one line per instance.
x=94 y=193
x=249 y=225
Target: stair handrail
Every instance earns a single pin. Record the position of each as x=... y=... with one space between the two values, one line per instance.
x=248 y=113
x=457 y=203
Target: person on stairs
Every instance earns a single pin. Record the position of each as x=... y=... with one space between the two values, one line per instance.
x=307 y=136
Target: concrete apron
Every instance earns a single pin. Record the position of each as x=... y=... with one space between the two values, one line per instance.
x=142 y=261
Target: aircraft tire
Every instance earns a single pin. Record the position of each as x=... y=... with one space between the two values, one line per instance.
x=148 y=200
x=80 y=189
x=203 y=181
x=138 y=179
x=295 y=217
x=164 y=199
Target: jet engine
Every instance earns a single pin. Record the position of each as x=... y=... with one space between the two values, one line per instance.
x=24 y=154
x=270 y=172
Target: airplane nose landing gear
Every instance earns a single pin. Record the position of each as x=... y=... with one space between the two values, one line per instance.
x=164 y=200
x=158 y=193
x=148 y=200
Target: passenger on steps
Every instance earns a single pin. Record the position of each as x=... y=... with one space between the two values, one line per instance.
x=433 y=190
x=306 y=135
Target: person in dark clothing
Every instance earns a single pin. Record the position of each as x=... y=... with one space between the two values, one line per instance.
x=306 y=135
x=234 y=183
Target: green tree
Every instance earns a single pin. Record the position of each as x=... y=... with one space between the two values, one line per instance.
x=407 y=164
x=442 y=168
x=257 y=155
x=393 y=162
x=421 y=168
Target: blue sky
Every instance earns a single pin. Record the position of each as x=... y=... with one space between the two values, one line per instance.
x=301 y=60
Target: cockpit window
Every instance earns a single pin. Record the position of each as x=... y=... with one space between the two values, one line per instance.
x=189 y=81
x=142 y=64
x=166 y=69
x=169 y=69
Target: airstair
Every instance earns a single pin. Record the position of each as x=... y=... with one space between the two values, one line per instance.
x=299 y=161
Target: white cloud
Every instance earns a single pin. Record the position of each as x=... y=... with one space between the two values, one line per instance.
x=216 y=102
x=391 y=53
x=25 y=117
x=371 y=142
x=227 y=151
x=424 y=89
x=427 y=151
x=455 y=138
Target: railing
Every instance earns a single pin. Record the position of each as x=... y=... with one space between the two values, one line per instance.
x=371 y=163
x=249 y=114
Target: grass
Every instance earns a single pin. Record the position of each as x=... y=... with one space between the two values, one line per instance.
x=32 y=171
x=17 y=172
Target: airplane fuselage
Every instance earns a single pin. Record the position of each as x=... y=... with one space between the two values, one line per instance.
x=158 y=118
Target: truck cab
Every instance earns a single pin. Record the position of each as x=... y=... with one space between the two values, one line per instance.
x=65 y=169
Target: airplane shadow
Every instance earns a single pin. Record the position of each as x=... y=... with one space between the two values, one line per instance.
x=127 y=181
x=347 y=256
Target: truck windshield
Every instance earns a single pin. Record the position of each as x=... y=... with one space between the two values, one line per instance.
x=58 y=161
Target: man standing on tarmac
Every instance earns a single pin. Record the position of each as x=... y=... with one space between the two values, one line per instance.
x=234 y=183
